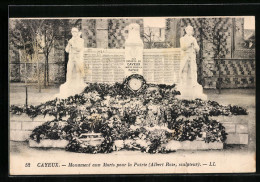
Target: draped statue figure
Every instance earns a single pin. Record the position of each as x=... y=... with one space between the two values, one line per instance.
x=75 y=68
x=188 y=85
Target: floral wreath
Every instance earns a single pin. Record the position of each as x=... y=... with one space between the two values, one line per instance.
x=138 y=77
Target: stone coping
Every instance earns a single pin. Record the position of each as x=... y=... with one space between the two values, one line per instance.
x=231 y=119
x=122 y=51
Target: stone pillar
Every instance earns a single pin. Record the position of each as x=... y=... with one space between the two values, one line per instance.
x=173 y=32
x=102 y=33
x=89 y=33
x=133 y=51
x=239 y=33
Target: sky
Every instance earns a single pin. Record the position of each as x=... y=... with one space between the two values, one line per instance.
x=154 y=22
x=249 y=22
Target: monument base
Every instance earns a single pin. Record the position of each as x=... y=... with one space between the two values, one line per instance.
x=191 y=92
x=71 y=88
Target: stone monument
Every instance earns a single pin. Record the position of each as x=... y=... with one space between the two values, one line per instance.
x=188 y=85
x=75 y=68
x=133 y=51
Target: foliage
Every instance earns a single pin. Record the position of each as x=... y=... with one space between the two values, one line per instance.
x=33 y=36
x=202 y=127
x=50 y=32
x=105 y=100
x=50 y=130
x=20 y=36
x=151 y=138
x=144 y=122
x=236 y=110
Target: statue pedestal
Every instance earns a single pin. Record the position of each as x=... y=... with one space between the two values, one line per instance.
x=191 y=92
x=71 y=88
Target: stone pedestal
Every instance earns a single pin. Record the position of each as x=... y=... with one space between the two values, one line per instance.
x=191 y=92
x=133 y=51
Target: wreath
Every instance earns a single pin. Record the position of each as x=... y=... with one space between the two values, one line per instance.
x=127 y=86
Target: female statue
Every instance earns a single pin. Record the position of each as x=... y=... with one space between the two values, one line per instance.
x=188 y=86
x=75 y=68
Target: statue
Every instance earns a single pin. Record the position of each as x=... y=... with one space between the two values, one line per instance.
x=75 y=68
x=133 y=51
x=188 y=85
x=134 y=34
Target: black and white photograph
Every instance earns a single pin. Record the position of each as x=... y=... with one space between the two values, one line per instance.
x=132 y=95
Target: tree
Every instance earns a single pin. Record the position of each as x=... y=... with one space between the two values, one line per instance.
x=154 y=37
x=149 y=38
x=49 y=31
x=25 y=35
x=33 y=36
x=20 y=37
x=35 y=31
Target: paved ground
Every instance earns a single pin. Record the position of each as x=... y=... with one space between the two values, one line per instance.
x=245 y=97
x=17 y=94
x=241 y=97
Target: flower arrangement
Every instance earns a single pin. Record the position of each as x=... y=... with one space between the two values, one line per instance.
x=132 y=121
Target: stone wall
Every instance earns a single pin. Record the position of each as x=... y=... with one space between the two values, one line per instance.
x=159 y=66
x=162 y=65
x=104 y=65
x=236 y=127
x=21 y=126
x=107 y=65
